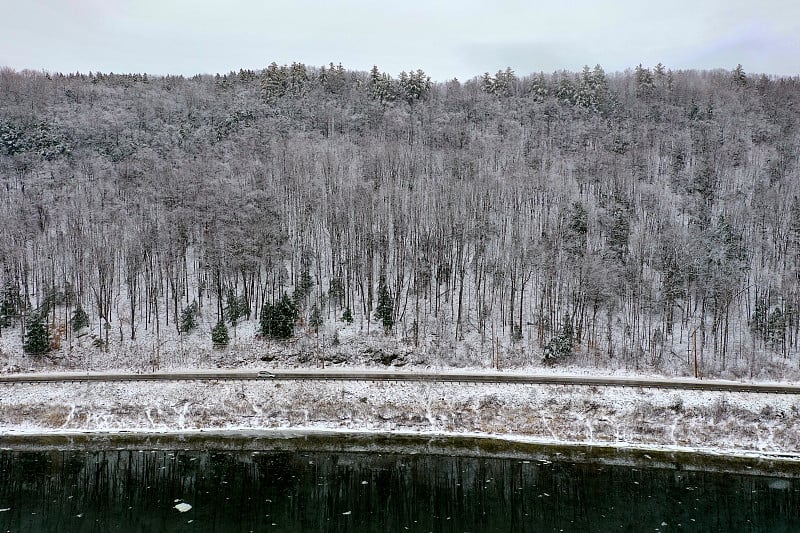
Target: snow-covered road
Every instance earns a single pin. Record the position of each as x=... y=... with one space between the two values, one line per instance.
x=341 y=374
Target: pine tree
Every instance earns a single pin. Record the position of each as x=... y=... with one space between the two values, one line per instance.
x=576 y=230
x=274 y=81
x=6 y=314
x=487 y=83
x=189 y=317
x=565 y=91
x=644 y=80
x=562 y=344
x=315 y=320
x=304 y=285
x=219 y=334
x=336 y=291
x=266 y=319
x=504 y=82
x=776 y=326
x=233 y=309
x=385 y=308
x=381 y=85
x=414 y=85
x=37 y=340
x=297 y=79
x=347 y=316
x=10 y=306
x=539 y=88
x=80 y=319
x=277 y=321
x=738 y=76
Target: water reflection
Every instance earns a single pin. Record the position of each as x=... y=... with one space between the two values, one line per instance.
x=138 y=490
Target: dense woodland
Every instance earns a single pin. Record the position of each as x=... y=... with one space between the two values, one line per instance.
x=631 y=216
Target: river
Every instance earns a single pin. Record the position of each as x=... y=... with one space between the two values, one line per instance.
x=350 y=483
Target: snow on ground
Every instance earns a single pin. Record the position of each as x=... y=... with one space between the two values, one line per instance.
x=726 y=422
x=729 y=423
x=342 y=344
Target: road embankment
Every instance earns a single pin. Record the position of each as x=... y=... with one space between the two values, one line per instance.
x=589 y=413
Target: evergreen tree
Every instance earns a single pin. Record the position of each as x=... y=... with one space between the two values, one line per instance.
x=487 y=83
x=233 y=308
x=562 y=344
x=315 y=320
x=297 y=79
x=277 y=321
x=347 y=316
x=274 y=81
x=776 y=326
x=37 y=340
x=385 y=308
x=336 y=291
x=414 y=85
x=335 y=79
x=381 y=85
x=189 y=318
x=10 y=306
x=539 y=88
x=304 y=285
x=219 y=334
x=504 y=82
x=577 y=228
x=266 y=320
x=244 y=306
x=80 y=319
x=644 y=80
x=6 y=313
x=760 y=317
x=565 y=90
x=738 y=76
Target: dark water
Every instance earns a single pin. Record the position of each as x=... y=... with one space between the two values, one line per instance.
x=93 y=490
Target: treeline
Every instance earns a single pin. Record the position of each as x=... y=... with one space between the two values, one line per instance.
x=631 y=215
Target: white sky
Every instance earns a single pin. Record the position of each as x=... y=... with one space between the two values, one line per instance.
x=446 y=38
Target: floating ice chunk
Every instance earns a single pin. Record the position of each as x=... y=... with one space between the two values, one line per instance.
x=183 y=507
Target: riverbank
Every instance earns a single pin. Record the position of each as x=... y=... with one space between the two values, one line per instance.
x=716 y=422
x=412 y=443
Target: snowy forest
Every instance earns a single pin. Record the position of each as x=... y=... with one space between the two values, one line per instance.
x=643 y=219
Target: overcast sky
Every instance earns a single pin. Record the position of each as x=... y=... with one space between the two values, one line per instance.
x=446 y=38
